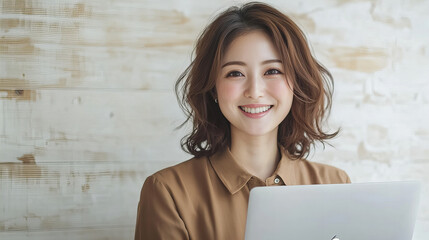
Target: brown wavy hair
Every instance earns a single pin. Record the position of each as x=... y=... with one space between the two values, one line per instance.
x=312 y=83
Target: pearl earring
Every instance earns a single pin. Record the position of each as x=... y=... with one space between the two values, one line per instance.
x=215 y=100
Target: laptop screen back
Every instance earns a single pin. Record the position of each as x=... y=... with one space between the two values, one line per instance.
x=358 y=211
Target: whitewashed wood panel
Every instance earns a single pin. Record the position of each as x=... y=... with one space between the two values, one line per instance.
x=71 y=195
x=86 y=233
x=71 y=44
x=90 y=125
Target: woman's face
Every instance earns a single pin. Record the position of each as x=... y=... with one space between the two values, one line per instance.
x=252 y=90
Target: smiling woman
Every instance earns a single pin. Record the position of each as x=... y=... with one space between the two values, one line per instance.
x=284 y=40
x=253 y=83
x=256 y=98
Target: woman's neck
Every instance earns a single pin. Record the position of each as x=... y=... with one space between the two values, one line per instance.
x=259 y=155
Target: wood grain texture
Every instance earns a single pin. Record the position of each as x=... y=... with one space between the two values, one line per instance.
x=86 y=233
x=87 y=108
x=71 y=195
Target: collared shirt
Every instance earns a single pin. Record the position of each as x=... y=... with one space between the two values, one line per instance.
x=207 y=197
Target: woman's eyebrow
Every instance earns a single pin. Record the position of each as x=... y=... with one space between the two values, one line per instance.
x=233 y=63
x=272 y=61
x=244 y=64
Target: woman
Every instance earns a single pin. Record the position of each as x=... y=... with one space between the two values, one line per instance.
x=256 y=98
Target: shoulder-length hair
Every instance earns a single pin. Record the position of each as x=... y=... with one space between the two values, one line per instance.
x=312 y=83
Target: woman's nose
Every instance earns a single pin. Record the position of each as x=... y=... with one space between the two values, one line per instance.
x=254 y=88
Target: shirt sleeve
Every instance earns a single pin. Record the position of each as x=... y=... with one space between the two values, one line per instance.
x=157 y=216
x=345 y=177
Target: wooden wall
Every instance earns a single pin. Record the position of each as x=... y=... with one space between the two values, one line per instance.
x=87 y=109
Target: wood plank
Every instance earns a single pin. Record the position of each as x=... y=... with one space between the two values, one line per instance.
x=71 y=195
x=91 y=125
x=92 y=45
x=86 y=233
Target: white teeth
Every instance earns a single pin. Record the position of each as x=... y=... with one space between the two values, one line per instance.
x=255 y=110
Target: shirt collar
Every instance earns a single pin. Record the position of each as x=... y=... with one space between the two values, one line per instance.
x=234 y=177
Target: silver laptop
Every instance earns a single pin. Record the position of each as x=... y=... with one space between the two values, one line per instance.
x=357 y=211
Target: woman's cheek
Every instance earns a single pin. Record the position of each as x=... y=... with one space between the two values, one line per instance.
x=280 y=88
x=228 y=90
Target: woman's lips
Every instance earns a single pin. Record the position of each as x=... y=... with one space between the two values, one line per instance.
x=255 y=110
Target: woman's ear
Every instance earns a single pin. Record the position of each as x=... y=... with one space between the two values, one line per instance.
x=213 y=93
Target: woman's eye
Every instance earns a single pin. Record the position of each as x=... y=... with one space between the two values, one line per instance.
x=235 y=74
x=272 y=71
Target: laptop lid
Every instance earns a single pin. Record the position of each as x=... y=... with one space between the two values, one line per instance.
x=357 y=211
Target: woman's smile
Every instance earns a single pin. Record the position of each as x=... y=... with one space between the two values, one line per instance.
x=255 y=110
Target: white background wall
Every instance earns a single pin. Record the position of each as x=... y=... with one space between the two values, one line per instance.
x=97 y=112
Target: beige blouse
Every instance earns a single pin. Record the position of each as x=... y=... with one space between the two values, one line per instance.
x=207 y=197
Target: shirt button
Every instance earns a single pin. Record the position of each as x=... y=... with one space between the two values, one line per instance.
x=276 y=181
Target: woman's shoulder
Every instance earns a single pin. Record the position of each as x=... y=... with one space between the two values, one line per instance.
x=182 y=172
x=322 y=173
